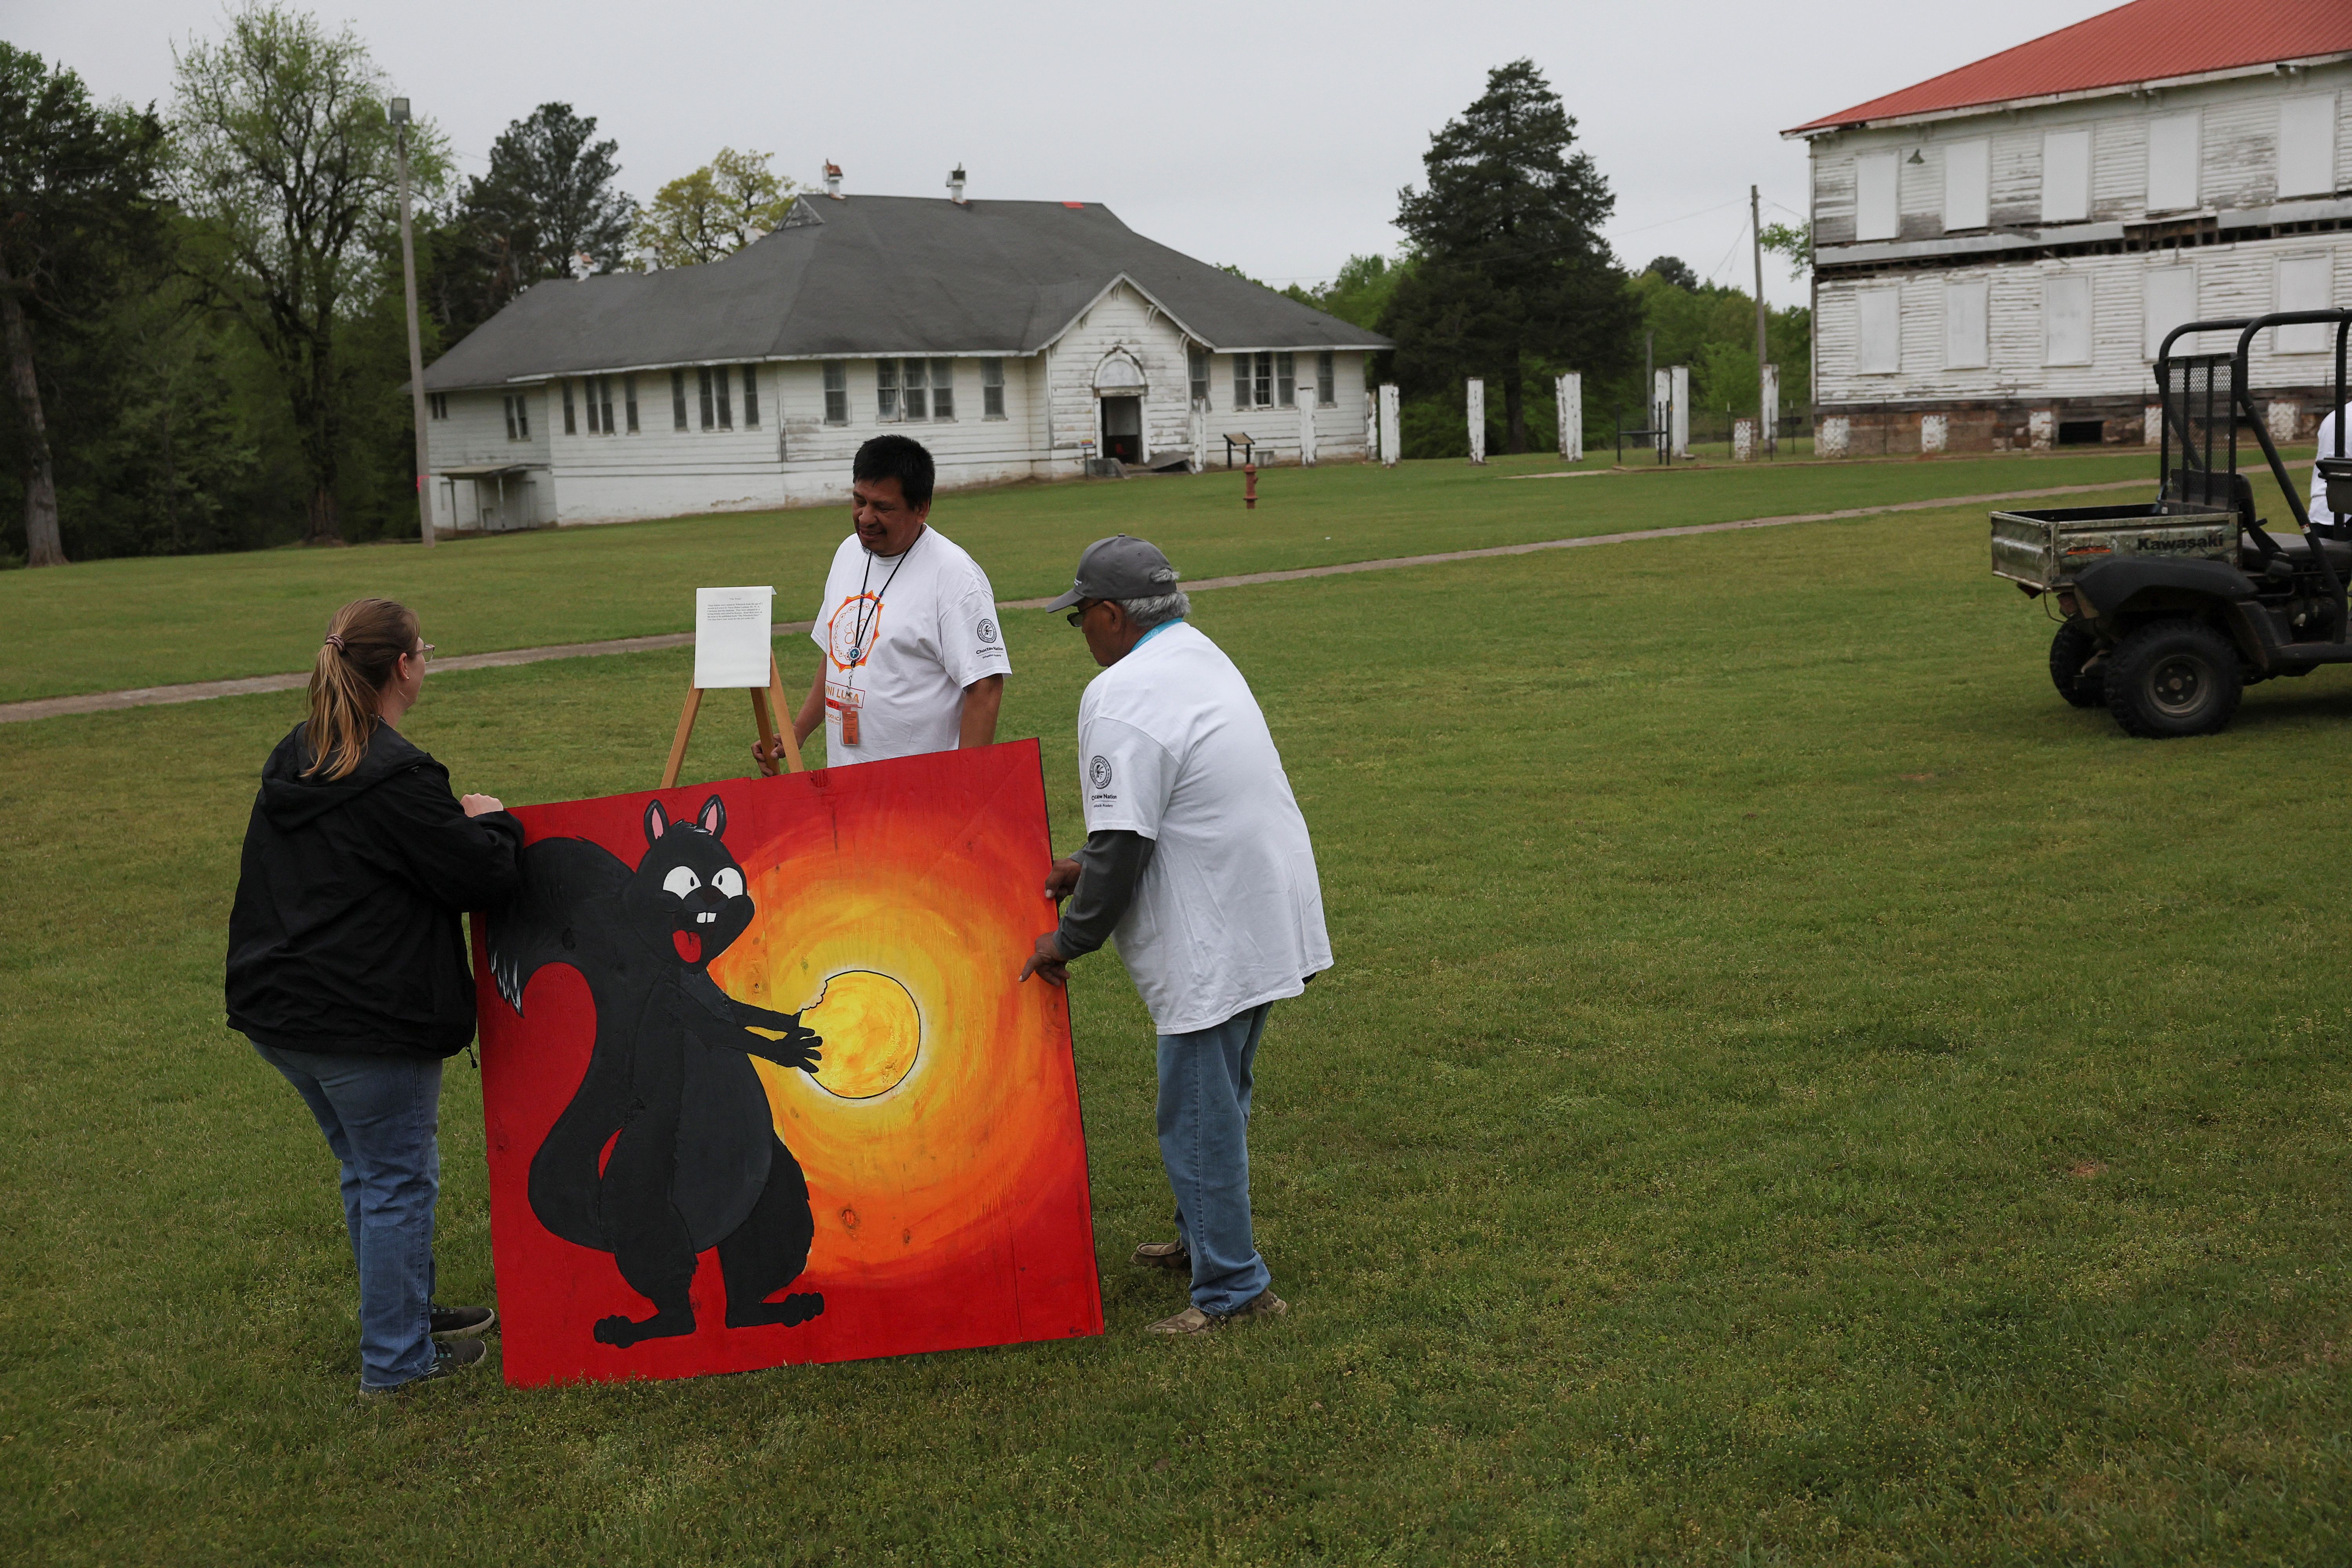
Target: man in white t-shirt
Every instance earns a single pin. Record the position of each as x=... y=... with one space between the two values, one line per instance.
x=1197 y=862
x=2321 y=517
x=913 y=659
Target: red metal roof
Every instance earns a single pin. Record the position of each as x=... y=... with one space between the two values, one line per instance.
x=2148 y=40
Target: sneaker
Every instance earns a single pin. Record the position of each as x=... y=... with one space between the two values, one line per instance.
x=447 y=1360
x=1192 y=1320
x=1168 y=1254
x=462 y=1322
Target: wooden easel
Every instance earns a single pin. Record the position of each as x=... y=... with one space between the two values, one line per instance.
x=763 y=701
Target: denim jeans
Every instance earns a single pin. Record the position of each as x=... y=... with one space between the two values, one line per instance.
x=1205 y=1107
x=381 y=1116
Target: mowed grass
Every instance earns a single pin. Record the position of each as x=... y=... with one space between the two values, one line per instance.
x=1791 y=1092
x=107 y=625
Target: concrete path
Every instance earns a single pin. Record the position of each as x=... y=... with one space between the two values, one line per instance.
x=203 y=690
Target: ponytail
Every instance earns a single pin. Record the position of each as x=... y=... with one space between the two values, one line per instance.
x=365 y=642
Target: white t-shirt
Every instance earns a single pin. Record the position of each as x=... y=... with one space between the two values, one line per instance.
x=1230 y=912
x=903 y=636
x=2319 y=512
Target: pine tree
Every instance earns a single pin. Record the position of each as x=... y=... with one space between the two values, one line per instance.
x=1511 y=278
x=548 y=198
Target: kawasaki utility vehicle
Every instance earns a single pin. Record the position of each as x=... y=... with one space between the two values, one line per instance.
x=2172 y=607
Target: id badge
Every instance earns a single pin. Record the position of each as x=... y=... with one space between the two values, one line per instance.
x=848 y=725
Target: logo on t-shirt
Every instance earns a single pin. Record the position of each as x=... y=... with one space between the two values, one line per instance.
x=1099 y=772
x=987 y=631
x=854 y=628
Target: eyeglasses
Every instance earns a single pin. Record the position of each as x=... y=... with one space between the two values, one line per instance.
x=1077 y=617
x=420 y=650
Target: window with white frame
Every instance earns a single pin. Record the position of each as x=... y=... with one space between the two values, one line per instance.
x=2307 y=146
x=1253 y=381
x=677 y=399
x=992 y=389
x=517 y=418
x=1327 y=381
x=1968 y=184
x=569 y=427
x=600 y=414
x=1242 y=398
x=2305 y=283
x=1196 y=369
x=2066 y=177
x=1878 y=331
x=438 y=404
x=1966 y=340
x=915 y=401
x=750 y=397
x=629 y=400
x=2173 y=151
x=837 y=392
x=1877 y=214
x=886 y=390
x=1285 y=379
x=2066 y=319
x=2168 y=300
x=943 y=389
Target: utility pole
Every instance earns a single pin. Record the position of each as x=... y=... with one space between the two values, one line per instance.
x=1764 y=434
x=415 y=343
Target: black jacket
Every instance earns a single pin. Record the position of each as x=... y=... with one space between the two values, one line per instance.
x=345 y=937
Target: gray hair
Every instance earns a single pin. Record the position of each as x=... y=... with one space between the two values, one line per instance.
x=1160 y=609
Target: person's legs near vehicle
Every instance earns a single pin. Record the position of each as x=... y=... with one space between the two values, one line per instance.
x=1204 y=1119
x=381 y=1117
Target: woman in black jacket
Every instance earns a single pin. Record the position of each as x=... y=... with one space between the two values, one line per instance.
x=347 y=964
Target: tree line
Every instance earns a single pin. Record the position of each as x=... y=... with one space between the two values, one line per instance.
x=200 y=303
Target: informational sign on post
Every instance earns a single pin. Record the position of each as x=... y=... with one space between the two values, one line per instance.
x=730 y=636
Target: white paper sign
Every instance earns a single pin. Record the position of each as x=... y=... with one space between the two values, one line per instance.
x=730 y=635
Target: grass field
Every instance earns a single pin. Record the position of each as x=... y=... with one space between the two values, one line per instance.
x=114 y=624
x=1791 y=1092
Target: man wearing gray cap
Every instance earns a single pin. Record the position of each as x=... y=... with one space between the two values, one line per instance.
x=1197 y=863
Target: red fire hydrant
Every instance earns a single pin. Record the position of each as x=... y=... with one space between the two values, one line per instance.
x=1249 y=487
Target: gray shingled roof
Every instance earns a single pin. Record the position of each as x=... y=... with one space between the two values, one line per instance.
x=862 y=276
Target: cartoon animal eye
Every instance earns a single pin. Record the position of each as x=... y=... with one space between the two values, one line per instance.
x=680 y=882
x=727 y=880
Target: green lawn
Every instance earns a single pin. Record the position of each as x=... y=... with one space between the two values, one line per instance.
x=1791 y=1092
x=113 y=624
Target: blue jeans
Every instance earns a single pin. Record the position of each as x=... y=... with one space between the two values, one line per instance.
x=381 y=1116
x=1205 y=1107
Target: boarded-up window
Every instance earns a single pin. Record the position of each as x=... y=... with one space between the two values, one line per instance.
x=2066 y=319
x=1968 y=184
x=1876 y=213
x=837 y=392
x=992 y=389
x=2066 y=177
x=2168 y=300
x=1878 y=332
x=1966 y=340
x=2305 y=283
x=2307 y=146
x=2172 y=163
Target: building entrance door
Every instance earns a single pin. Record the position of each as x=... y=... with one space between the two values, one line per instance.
x=1122 y=420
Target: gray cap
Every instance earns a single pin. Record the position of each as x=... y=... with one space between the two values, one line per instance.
x=1119 y=567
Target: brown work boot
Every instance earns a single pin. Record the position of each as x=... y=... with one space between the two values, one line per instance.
x=1192 y=1320
x=1168 y=1254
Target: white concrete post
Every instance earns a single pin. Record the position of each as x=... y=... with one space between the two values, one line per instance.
x=1935 y=432
x=1567 y=401
x=2151 y=424
x=1199 y=436
x=1836 y=433
x=1771 y=403
x=1662 y=402
x=1371 y=427
x=2282 y=417
x=2042 y=429
x=1305 y=397
x=1391 y=436
x=1743 y=440
x=1680 y=390
x=1477 y=390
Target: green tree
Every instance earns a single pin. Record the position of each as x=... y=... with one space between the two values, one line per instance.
x=548 y=198
x=715 y=211
x=287 y=164
x=1360 y=293
x=1512 y=277
x=1675 y=270
x=76 y=218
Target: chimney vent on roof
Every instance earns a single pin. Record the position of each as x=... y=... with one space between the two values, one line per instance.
x=833 y=179
x=955 y=185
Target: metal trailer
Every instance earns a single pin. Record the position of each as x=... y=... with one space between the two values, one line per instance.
x=2170 y=608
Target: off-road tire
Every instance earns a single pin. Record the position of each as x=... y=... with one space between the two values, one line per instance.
x=2174 y=678
x=2069 y=651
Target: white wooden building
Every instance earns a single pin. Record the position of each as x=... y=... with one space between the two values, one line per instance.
x=1016 y=340
x=1998 y=252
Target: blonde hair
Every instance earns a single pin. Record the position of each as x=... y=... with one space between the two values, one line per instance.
x=365 y=642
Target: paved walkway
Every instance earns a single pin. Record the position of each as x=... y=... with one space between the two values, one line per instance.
x=203 y=690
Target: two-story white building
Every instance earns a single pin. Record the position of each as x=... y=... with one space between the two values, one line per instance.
x=1016 y=339
x=1998 y=252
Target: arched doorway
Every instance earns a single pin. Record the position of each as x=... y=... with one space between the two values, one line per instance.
x=1119 y=389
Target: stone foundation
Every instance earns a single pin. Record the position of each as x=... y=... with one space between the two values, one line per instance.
x=1873 y=430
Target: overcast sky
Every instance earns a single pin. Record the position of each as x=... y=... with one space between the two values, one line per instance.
x=1272 y=136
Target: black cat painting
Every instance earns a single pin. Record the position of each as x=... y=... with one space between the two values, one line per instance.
x=669 y=1147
